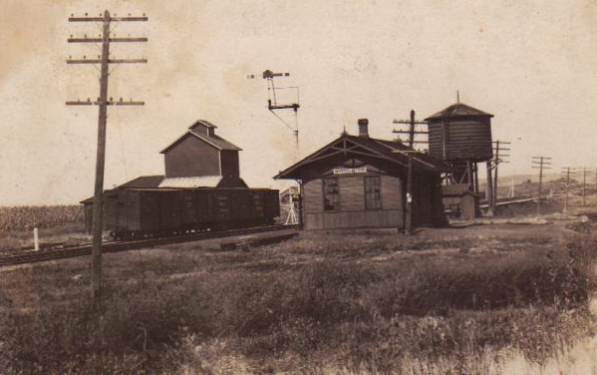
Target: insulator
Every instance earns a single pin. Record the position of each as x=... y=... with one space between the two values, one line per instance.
x=85 y=13
x=129 y=14
x=84 y=56
x=121 y=98
x=88 y=99
x=110 y=98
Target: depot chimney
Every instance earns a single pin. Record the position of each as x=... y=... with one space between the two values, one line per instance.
x=363 y=128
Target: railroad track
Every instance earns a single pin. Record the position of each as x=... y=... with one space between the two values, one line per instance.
x=25 y=257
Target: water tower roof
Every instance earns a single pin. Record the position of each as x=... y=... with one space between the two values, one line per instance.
x=458 y=110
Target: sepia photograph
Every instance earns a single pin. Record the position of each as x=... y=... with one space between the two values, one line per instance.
x=298 y=187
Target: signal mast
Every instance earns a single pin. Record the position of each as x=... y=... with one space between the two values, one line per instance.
x=273 y=105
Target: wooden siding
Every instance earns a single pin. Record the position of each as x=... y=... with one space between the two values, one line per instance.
x=230 y=164
x=391 y=193
x=355 y=219
x=352 y=193
x=313 y=196
x=192 y=157
x=465 y=140
x=352 y=212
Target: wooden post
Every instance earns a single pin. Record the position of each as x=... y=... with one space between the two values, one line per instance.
x=300 y=206
x=540 y=186
x=495 y=178
x=35 y=239
x=411 y=135
x=476 y=175
x=98 y=225
x=489 y=190
x=584 y=186
x=567 y=185
x=409 y=196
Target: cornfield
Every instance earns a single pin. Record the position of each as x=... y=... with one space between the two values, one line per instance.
x=27 y=217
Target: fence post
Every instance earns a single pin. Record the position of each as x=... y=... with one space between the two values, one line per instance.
x=35 y=239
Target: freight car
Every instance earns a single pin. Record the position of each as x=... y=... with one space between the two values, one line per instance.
x=137 y=213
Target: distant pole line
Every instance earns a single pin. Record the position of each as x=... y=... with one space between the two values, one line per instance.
x=102 y=102
x=490 y=190
x=567 y=171
x=497 y=161
x=541 y=163
x=584 y=186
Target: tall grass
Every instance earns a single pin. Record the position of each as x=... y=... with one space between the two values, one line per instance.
x=363 y=315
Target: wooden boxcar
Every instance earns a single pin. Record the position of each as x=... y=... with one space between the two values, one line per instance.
x=157 y=212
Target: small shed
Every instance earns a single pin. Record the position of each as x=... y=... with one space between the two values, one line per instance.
x=460 y=201
x=359 y=182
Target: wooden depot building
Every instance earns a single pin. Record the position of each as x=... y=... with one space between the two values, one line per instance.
x=360 y=182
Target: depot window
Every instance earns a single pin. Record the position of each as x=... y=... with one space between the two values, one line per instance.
x=331 y=194
x=372 y=193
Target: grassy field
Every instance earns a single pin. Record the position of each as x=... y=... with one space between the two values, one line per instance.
x=445 y=301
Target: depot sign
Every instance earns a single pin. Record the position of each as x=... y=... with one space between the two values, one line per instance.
x=350 y=170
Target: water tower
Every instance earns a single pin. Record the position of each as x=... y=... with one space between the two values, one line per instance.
x=460 y=135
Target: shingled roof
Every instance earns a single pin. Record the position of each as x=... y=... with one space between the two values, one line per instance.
x=141 y=182
x=385 y=149
x=458 y=110
x=213 y=140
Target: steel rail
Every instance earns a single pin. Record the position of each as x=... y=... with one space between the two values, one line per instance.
x=27 y=257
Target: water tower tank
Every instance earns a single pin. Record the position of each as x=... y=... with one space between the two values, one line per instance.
x=460 y=133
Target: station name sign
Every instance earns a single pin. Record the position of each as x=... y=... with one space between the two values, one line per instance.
x=350 y=170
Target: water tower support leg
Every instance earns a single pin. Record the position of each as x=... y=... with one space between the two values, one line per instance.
x=489 y=191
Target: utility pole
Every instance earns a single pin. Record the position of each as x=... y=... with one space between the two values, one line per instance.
x=103 y=102
x=584 y=186
x=409 y=197
x=412 y=131
x=541 y=163
x=567 y=171
x=498 y=160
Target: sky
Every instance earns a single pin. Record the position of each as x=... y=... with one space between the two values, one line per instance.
x=531 y=63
